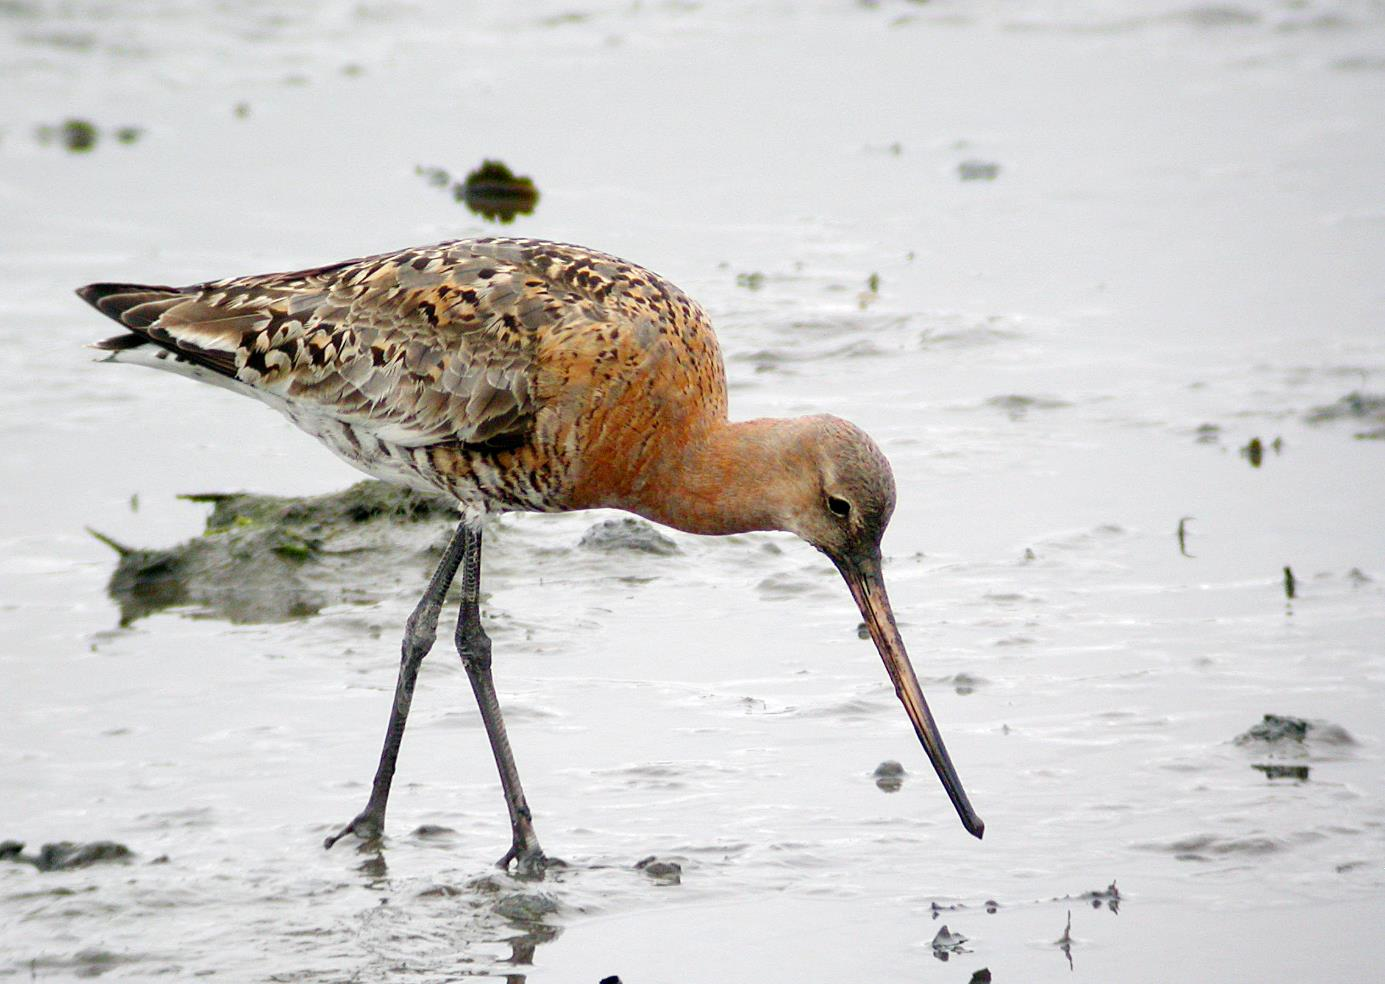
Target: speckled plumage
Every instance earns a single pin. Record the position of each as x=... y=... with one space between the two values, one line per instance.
x=527 y=375
x=499 y=371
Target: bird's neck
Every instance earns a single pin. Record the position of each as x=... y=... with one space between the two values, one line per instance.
x=726 y=478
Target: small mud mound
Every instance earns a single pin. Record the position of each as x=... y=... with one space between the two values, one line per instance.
x=627 y=534
x=1278 y=737
x=1284 y=731
x=660 y=870
x=270 y=559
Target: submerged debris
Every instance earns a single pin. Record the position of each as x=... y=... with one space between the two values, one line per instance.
x=1207 y=433
x=662 y=872
x=974 y=170
x=79 y=136
x=492 y=191
x=66 y=855
x=433 y=831
x=269 y=559
x=1064 y=942
x=946 y=943
x=964 y=684
x=1017 y=405
x=1298 y=773
x=872 y=292
x=1361 y=407
x=1183 y=535
x=1109 y=896
x=889 y=776
x=435 y=176
x=495 y=192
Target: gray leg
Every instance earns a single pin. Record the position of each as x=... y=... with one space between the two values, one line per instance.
x=474 y=646
x=419 y=633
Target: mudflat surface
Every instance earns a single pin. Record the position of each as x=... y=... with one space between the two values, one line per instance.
x=1083 y=269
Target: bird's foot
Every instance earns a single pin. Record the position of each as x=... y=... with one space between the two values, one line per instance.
x=530 y=863
x=368 y=825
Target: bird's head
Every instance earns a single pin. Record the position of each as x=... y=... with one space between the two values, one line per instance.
x=844 y=514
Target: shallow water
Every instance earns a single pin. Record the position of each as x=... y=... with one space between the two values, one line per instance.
x=1180 y=251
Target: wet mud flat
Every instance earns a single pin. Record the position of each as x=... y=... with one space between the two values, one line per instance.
x=1102 y=282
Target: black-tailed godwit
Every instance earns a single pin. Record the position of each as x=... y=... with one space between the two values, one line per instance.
x=517 y=374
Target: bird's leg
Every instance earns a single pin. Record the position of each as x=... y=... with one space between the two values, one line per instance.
x=474 y=646
x=419 y=633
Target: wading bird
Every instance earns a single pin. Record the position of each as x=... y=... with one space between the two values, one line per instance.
x=517 y=374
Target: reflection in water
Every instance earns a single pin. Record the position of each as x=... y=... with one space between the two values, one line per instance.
x=374 y=868
x=1065 y=941
x=1298 y=773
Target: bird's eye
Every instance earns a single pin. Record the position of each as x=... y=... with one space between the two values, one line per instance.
x=838 y=507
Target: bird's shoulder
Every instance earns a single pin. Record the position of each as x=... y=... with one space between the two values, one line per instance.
x=489 y=298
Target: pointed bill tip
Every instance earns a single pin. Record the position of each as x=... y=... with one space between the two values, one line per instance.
x=863 y=576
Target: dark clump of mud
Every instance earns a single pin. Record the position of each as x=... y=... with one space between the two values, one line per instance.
x=1279 y=737
x=496 y=192
x=1277 y=729
x=269 y=559
x=1363 y=408
x=66 y=855
x=662 y=872
x=79 y=136
x=627 y=534
x=74 y=135
x=1109 y=896
x=492 y=191
x=889 y=776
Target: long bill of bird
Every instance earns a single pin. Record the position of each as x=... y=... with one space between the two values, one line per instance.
x=846 y=520
x=863 y=576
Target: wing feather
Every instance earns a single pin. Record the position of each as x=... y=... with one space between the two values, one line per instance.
x=415 y=347
x=420 y=346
